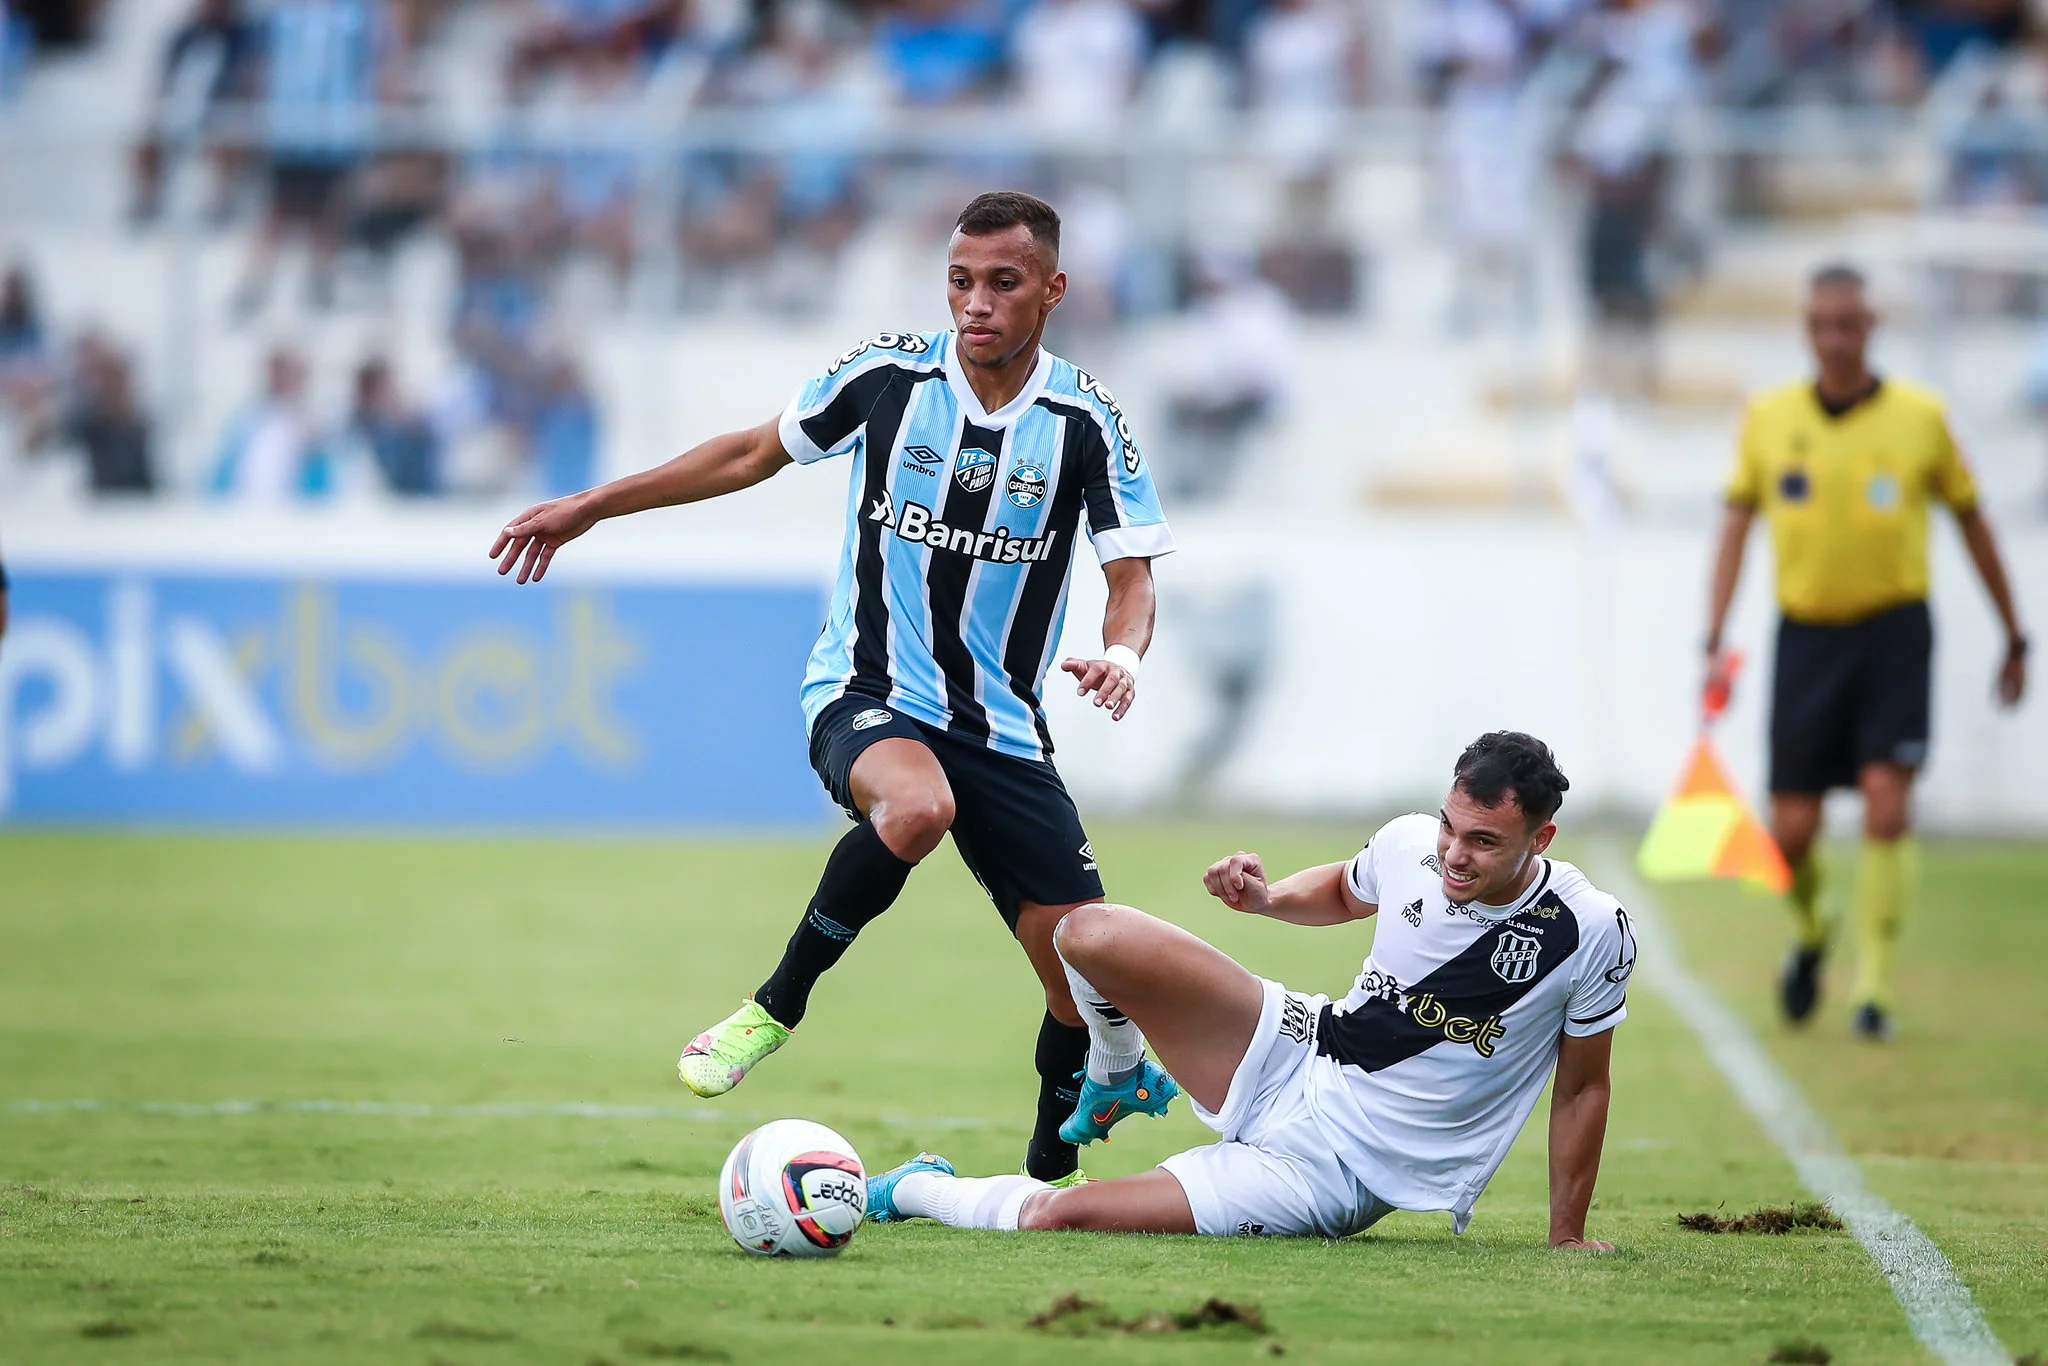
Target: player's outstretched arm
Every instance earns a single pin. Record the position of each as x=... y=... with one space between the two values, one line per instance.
x=1578 y=1127
x=724 y=464
x=1126 y=632
x=1313 y=896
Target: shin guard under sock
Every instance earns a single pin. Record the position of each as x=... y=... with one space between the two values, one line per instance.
x=990 y=1202
x=1115 y=1045
x=862 y=879
x=1884 y=890
x=1804 y=901
x=1062 y=1051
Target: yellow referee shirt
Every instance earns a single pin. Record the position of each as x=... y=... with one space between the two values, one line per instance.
x=1847 y=496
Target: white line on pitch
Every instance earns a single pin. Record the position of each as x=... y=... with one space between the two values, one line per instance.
x=1938 y=1305
x=490 y=1110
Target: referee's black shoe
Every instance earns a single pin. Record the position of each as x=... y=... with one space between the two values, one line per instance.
x=1799 y=984
x=1872 y=1024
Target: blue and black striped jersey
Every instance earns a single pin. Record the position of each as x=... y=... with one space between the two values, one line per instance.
x=960 y=529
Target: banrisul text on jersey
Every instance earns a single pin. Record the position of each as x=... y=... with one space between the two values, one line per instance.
x=960 y=530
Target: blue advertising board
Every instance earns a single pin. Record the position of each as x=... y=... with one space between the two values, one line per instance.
x=236 y=700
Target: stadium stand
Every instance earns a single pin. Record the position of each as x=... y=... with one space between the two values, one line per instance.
x=1545 y=241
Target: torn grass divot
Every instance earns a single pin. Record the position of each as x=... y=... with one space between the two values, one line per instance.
x=1072 y=1314
x=1765 y=1219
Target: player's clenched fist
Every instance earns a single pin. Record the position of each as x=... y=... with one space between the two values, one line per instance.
x=1239 y=882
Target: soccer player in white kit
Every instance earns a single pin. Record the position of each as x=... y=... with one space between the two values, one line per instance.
x=1494 y=966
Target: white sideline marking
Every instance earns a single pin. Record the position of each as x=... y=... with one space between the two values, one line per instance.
x=406 y=1109
x=1938 y=1305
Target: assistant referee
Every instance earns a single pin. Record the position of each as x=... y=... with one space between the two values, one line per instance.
x=1844 y=467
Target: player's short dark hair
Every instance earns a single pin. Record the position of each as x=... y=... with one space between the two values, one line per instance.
x=1000 y=209
x=1507 y=763
x=1836 y=273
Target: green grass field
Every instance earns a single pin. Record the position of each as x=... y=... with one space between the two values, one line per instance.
x=444 y=974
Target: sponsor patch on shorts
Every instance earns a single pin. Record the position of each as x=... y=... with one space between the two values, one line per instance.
x=872 y=717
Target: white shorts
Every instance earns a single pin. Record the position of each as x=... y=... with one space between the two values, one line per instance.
x=1273 y=1172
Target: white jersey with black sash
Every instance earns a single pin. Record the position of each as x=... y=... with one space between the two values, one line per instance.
x=960 y=530
x=1431 y=1063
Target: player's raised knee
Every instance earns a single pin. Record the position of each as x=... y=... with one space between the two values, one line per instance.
x=1090 y=932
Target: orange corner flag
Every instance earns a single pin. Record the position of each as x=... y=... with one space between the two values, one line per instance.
x=1705 y=829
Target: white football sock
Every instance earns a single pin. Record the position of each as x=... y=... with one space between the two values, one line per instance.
x=1115 y=1045
x=992 y=1202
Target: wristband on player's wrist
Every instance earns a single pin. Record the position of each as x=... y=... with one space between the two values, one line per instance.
x=2016 y=646
x=1124 y=657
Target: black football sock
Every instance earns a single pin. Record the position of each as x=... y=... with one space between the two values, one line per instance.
x=1062 y=1052
x=862 y=879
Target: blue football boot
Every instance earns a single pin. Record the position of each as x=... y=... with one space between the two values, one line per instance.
x=882 y=1188
x=1147 y=1091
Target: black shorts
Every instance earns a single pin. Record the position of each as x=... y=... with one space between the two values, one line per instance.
x=1013 y=823
x=305 y=188
x=1846 y=696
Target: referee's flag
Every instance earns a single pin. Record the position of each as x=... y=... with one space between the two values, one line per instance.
x=1704 y=828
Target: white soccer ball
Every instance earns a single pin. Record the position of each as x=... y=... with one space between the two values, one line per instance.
x=793 y=1189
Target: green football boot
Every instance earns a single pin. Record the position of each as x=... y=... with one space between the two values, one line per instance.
x=722 y=1055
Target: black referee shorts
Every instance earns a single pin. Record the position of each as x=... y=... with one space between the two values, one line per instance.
x=1850 y=695
x=1015 y=826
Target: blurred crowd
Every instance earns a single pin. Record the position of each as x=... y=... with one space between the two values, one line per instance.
x=726 y=142
x=321 y=109
x=81 y=398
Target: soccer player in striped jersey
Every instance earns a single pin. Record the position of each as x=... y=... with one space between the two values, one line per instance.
x=976 y=459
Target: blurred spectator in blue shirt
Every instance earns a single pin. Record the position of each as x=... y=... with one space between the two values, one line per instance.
x=941 y=51
x=561 y=437
x=103 y=419
x=821 y=105
x=323 y=62
x=271 y=455
x=1941 y=29
x=55 y=24
x=28 y=370
x=209 y=61
x=727 y=223
x=400 y=441
x=587 y=192
x=501 y=294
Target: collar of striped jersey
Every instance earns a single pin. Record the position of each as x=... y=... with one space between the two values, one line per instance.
x=1527 y=899
x=971 y=405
